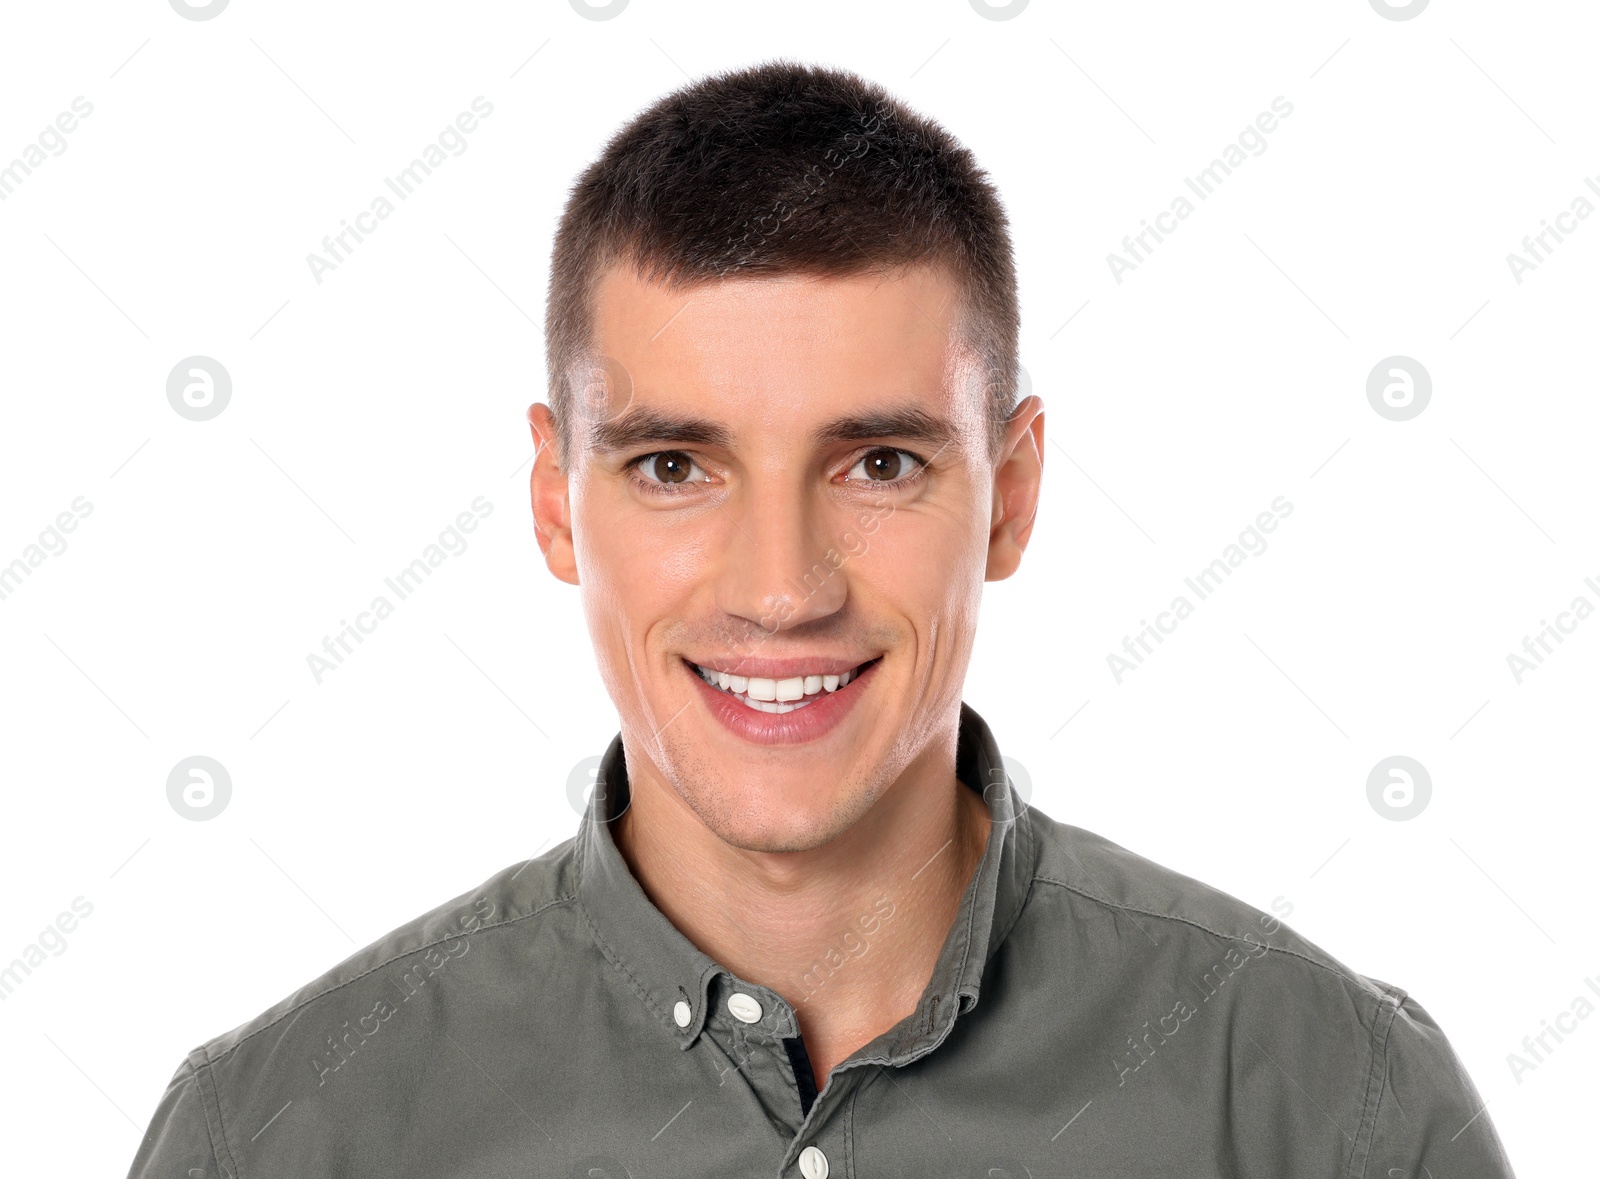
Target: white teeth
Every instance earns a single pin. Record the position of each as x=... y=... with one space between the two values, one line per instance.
x=775 y=695
x=773 y=706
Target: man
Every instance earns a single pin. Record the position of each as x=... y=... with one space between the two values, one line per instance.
x=808 y=926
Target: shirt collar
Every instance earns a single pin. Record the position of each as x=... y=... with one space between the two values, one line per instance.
x=664 y=968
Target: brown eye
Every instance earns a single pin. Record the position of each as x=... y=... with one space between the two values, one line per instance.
x=670 y=468
x=887 y=465
x=667 y=466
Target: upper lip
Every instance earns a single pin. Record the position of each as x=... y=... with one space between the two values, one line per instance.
x=782 y=669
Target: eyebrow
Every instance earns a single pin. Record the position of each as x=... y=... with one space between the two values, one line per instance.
x=645 y=427
x=649 y=426
x=910 y=422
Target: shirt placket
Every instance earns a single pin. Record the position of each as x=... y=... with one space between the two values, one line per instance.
x=750 y=1027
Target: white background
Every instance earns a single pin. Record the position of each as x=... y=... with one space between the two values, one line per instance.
x=369 y=409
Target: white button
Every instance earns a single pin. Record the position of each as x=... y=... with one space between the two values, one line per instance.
x=813 y=1163
x=746 y=1009
x=681 y=1013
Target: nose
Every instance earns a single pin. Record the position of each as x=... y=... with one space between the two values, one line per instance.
x=783 y=564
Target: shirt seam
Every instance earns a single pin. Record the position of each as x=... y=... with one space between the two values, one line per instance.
x=210 y=1060
x=211 y=1103
x=1369 y=1116
x=1372 y=1104
x=615 y=959
x=1341 y=975
x=966 y=953
x=1002 y=935
x=995 y=936
x=850 y=1133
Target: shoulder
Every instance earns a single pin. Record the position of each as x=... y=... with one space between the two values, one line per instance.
x=1155 y=969
x=1120 y=891
x=516 y=899
x=250 y=1075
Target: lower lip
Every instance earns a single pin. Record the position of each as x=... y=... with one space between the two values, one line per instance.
x=815 y=720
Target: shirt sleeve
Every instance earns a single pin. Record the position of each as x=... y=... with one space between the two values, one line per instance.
x=1428 y=1121
x=178 y=1143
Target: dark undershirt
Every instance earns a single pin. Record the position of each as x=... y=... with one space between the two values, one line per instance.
x=804 y=1077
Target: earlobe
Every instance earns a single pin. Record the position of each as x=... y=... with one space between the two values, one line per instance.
x=548 y=491
x=1015 y=495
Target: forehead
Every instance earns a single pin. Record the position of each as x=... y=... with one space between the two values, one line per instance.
x=786 y=348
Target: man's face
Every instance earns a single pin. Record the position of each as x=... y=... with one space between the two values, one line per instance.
x=787 y=480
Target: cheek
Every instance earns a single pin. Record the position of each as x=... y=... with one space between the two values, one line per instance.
x=681 y=559
x=926 y=565
x=636 y=558
x=608 y=633
x=633 y=575
x=614 y=587
x=928 y=558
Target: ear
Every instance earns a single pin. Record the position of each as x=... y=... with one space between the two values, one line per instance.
x=552 y=510
x=1016 y=489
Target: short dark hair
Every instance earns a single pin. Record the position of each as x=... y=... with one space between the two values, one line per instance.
x=783 y=168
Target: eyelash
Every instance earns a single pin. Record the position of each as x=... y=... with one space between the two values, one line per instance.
x=653 y=487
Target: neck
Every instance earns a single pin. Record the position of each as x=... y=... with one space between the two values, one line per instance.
x=848 y=932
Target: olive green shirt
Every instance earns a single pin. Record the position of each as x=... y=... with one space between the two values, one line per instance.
x=1090 y=1014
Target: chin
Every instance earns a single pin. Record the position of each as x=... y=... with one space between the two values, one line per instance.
x=777 y=820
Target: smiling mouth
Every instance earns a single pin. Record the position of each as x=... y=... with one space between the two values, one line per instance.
x=779 y=696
